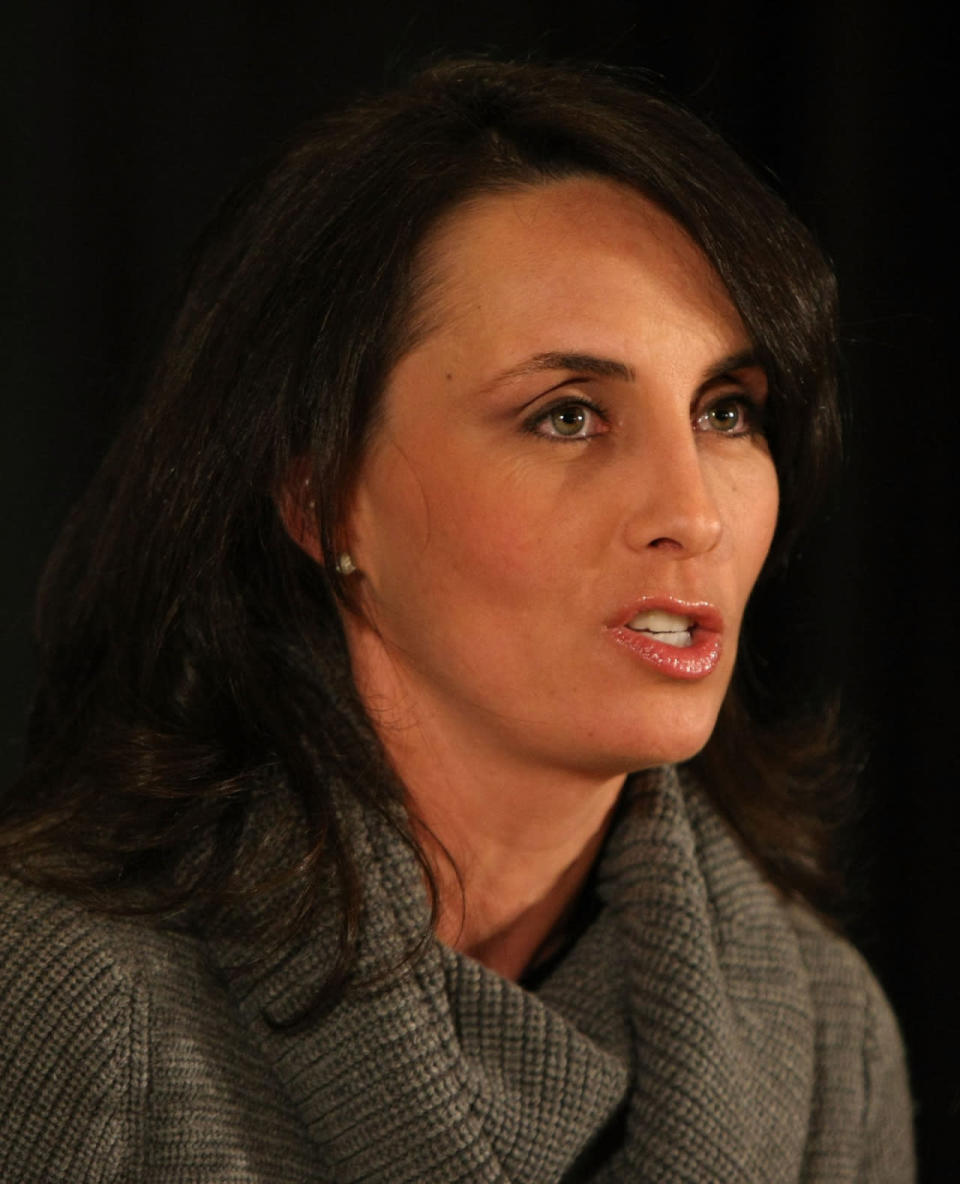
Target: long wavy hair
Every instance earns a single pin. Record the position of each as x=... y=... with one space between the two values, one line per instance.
x=191 y=654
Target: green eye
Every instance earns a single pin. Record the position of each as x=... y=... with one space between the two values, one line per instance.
x=732 y=415
x=569 y=420
x=577 y=420
x=727 y=416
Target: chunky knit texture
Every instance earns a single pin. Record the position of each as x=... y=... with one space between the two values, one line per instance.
x=699 y=1030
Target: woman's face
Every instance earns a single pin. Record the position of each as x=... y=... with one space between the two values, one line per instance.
x=569 y=495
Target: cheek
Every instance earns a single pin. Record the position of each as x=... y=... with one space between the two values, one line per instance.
x=435 y=537
x=496 y=544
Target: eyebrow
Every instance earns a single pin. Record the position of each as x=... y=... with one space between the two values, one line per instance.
x=611 y=368
x=744 y=359
x=584 y=363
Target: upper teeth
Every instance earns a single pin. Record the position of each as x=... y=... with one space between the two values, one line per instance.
x=658 y=621
x=666 y=627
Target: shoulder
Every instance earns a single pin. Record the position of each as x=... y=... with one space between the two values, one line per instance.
x=847 y=994
x=860 y=1052
x=67 y=1016
x=62 y=964
x=860 y=1080
x=122 y=1056
x=48 y=938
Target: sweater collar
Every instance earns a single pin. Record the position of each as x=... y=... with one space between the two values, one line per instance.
x=444 y=1072
x=681 y=1008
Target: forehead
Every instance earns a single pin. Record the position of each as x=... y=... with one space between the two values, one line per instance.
x=542 y=256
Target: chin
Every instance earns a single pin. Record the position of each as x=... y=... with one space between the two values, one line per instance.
x=672 y=744
x=616 y=761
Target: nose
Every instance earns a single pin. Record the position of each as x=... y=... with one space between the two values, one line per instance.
x=674 y=508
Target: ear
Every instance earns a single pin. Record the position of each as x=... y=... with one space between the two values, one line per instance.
x=297 y=507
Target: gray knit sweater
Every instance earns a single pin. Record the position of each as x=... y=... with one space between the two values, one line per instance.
x=699 y=1030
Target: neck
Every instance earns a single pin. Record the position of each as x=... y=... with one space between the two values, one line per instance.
x=507 y=900
x=510 y=831
x=510 y=841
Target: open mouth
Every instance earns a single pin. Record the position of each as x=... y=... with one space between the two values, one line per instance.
x=678 y=638
x=668 y=628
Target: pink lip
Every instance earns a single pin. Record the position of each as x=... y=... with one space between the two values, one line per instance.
x=690 y=662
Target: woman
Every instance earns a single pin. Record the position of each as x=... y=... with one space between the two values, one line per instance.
x=352 y=844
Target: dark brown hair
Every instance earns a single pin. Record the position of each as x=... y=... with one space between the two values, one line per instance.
x=192 y=655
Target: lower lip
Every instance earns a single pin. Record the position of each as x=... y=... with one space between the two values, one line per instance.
x=685 y=662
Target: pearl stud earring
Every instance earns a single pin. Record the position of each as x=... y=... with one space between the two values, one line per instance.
x=345 y=565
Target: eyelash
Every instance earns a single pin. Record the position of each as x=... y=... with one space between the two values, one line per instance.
x=753 y=412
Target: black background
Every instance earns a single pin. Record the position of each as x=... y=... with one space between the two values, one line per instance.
x=125 y=123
